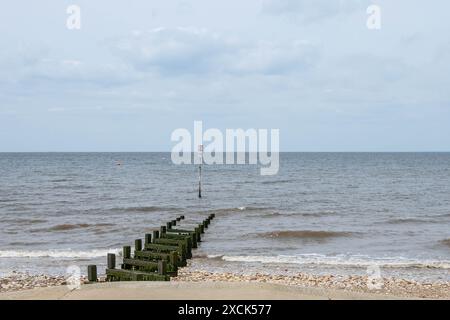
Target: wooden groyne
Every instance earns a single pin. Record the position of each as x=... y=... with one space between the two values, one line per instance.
x=158 y=257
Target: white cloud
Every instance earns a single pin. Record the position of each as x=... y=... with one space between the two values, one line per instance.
x=179 y=51
x=275 y=58
x=172 y=51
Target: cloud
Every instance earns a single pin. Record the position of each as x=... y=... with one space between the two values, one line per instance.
x=273 y=58
x=180 y=51
x=313 y=10
x=172 y=51
x=28 y=73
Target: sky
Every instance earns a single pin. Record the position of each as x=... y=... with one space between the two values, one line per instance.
x=139 y=69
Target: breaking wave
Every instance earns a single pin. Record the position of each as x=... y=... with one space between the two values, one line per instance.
x=67 y=227
x=340 y=260
x=239 y=210
x=446 y=242
x=304 y=234
x=407 y=220
x=301 y=214
x=145 y=209
x=273 y=215
x=95 y=253
x=247 y=209
x=63 y=227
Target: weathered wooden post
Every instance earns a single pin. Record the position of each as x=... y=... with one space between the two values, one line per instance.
x=162 y=267
x=182 y=217
x=111 y=261
x=174 y=222
x=155 y=235
x=138 y=244
x=162 y=230
x=148 y=238
x=92 y=273
x=183 y=250
x=202 y=229
x=173 y=258
x=178 y=219
x=169 y=225
x=126 y=253
x=194 y=240
x=197 y=232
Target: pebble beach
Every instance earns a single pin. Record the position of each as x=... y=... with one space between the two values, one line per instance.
x=390 y=287
x=22 y=281
x=401 y=288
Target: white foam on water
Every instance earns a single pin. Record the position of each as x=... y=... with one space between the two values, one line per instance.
x=341 y=260
x=63 y=253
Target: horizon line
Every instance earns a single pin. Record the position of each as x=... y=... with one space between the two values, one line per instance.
x=288 y=151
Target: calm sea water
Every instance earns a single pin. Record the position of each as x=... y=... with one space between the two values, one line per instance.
x=323 y=213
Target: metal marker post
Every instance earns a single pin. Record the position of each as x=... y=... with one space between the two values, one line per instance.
x=200 y=154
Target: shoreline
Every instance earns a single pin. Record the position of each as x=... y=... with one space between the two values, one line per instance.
x=20 y=285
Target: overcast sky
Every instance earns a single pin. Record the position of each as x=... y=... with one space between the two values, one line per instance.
x=139 y=69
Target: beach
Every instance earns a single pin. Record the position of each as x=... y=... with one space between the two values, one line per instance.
x=187 y=291
x=193 y=285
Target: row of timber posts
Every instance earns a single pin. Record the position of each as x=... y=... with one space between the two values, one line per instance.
x=158 y=257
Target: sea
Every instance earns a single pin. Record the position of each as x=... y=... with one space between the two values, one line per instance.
x=323 y=213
